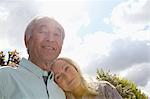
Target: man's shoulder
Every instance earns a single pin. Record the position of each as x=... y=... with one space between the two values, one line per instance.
x=10 y=68
x=5 y=70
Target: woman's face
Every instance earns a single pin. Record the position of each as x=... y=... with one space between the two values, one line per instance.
x=66 y=76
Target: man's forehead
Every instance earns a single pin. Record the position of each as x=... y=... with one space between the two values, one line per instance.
x=45 y=22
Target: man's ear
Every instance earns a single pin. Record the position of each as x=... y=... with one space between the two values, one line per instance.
x=26 y=39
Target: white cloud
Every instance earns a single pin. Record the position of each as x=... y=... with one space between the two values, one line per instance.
x=140 y=75
x=5 y=45
x=125 y=48
x=131 y=19
x=146 y=89
x=131 y=16
x=106 y=20
x=143 y=72
x=15 y=15
x=65 y=0
x=3 y=13
x=123 y=54
x=86 y=49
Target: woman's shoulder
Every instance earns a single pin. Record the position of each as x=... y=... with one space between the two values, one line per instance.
x=101 y=85
x=105 y=84
x=107 y=89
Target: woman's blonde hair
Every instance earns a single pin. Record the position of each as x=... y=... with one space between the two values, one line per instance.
x=85 y=80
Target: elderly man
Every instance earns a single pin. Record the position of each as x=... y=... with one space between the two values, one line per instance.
x=33 y=79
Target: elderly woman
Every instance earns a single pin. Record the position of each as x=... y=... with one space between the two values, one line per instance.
x=70 y=79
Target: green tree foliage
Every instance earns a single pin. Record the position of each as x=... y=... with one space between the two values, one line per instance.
x=13 y=58
x=2 y=58
x=126 y=88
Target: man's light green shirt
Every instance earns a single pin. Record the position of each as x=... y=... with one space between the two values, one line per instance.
x=26 y=82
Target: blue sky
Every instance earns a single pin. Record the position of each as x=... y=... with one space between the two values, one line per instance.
x=109 y=34
x=98 y=10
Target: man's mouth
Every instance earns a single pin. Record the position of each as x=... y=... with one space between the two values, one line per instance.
x=49 y=47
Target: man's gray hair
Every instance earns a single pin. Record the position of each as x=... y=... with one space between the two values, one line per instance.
x=32 y=24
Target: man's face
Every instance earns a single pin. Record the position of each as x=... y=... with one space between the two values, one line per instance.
x=46 y=41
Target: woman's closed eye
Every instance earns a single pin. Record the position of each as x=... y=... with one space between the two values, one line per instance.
x=57 y=77
x=66 y=68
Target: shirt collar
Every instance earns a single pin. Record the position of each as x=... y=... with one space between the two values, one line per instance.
x=33 y=68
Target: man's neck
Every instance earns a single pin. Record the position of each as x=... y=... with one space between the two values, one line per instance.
x=42 y=64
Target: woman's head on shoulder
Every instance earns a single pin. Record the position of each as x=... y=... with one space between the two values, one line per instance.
x=67 y=73
x=69 y=77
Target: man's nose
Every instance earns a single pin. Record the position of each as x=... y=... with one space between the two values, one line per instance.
x=49 y=36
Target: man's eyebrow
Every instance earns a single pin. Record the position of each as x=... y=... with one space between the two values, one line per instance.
x=58 y=28
x=43 y=26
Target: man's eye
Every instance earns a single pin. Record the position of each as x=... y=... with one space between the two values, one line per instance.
x=43 y=31
x=56 y=34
